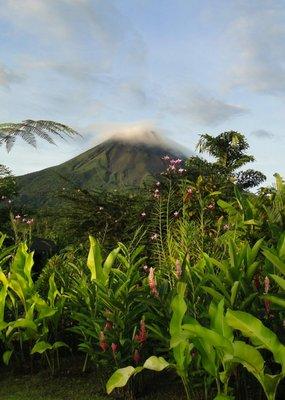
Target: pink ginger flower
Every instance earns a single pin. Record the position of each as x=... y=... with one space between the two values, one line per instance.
x=154 y=236
x=266 y=284
x=114 y=347
x=18 y=216
x=178 y=269
x=142 y=335
x=152 y=282
x=102 y=342
x=30 y=221
x=108 y=326
x=166 y=158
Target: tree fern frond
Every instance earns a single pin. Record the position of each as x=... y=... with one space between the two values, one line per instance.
x=29 y=130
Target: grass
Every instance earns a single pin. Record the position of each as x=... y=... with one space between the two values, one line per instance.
x=40 y=387
x=73 y=385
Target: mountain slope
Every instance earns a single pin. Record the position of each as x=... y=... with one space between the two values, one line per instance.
x=115 y=163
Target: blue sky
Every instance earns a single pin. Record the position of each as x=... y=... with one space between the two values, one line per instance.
x=183 y=67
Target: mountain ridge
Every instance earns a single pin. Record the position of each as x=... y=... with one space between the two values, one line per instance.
x=114 y=163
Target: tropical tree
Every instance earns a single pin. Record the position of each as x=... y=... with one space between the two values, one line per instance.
x=29 y=129
x=229 y=150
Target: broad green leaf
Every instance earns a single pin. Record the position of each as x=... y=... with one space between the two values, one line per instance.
x=219 y=284
x=119 y=378
x=275 y=299
x=280 y=281
x=57 y=345
x=248 y=356
x=94 y=260
x=229 y=208
x=208 y=356
x=281 y=246
x=156 y=363
x=218 y=322
x=234 y=290
x=209 y=335
x=53 y=292
x=223 y=397
x=109 y=262
x=214 y=293
x=275 y=260
x=41 y=347
x=21 y=323
x=179 y=308
x=6 y=356
x=3 y=294
x=260 y=335
x=22 y=264
x=29 y=262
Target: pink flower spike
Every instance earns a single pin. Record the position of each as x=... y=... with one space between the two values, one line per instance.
x=178 y=269
x=152 y=282
x=266 y=285
x=114 y=347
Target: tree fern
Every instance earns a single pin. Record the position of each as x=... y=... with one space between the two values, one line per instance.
x=29 y=130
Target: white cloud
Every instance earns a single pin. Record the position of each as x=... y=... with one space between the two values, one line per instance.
x=258 y=38
x=199 y=106
x=262 y=134
x=8 y=77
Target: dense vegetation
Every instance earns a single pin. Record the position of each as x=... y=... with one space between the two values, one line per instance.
x=182 y=281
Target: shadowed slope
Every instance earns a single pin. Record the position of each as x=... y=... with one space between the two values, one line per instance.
x=115 y=163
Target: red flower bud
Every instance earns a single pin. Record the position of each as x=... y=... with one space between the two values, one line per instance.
x=136 y=356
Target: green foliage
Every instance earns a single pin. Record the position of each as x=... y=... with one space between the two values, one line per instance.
x=25 y=316
x=29 y=130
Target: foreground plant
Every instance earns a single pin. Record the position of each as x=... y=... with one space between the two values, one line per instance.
x=181 y=353
x=28 y=322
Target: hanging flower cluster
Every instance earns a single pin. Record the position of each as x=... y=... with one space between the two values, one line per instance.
x=152 y=282
x=142 y=334
x=140 y=338
x=173 y=166
x=266 y=290
x=178 y=269
x=19 y=219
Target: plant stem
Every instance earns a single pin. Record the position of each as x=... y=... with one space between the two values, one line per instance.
x=186 y=387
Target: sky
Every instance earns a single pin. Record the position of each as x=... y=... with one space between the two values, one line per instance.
x=182 y=67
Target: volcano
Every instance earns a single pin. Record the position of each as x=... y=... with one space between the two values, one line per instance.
x=120 y=162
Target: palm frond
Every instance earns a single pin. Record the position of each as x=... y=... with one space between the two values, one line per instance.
x=29 y=130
